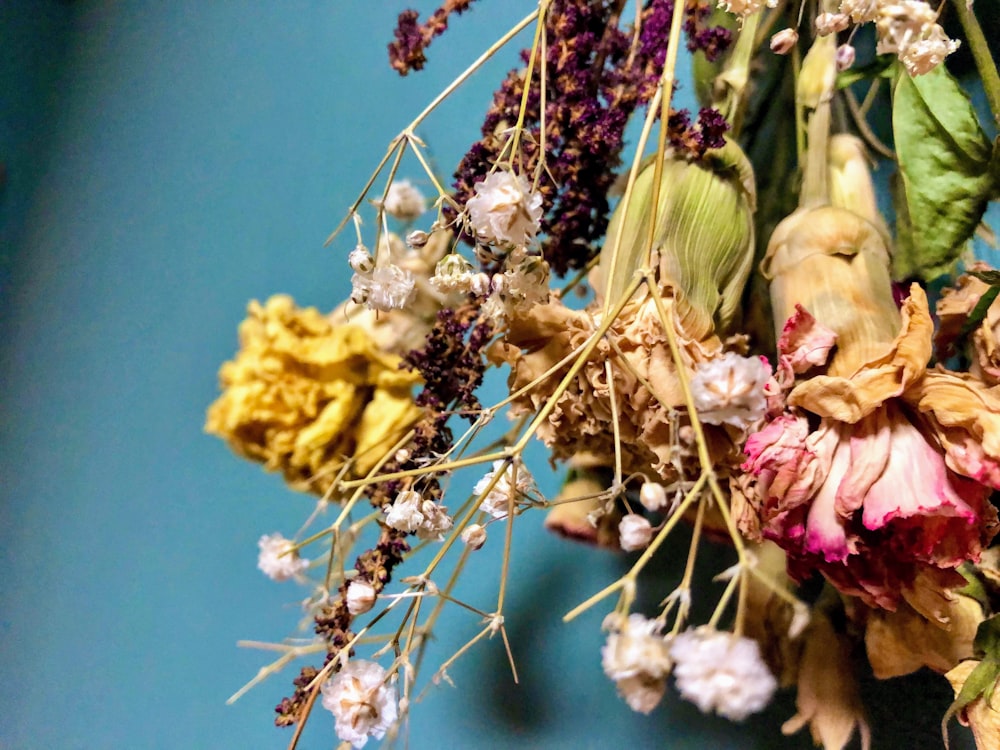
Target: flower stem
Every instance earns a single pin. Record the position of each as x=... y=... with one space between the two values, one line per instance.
x=981 y=53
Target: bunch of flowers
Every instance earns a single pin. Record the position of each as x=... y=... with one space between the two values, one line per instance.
x=755 y=362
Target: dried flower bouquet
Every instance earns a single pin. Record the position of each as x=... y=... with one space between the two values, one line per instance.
x=722 y=334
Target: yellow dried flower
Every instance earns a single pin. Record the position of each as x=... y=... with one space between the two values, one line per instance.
x=304 y=396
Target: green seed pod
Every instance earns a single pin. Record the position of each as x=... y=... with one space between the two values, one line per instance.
x=703 y=241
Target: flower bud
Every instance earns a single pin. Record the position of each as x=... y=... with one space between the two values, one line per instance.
x=845 y=57
x=831 y=23
x=360 y=260
x=474 y=536
x=706 y=269
x=635 y=532
x=653 y=496
x=784 y=41
x=417 y=239
x=360 y=596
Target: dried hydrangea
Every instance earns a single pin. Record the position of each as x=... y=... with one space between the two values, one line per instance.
x=361 y=702
x=637 y=657
x=721 y=673
x=278 y=558
x=505 y=210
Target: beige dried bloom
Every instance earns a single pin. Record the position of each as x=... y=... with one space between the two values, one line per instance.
x=304 y=397
x=474 y=536
x=637 y=657
x=404 y=201
x=634 y=532
x=954 y=308
x=360 y=596
x=278 y=559
x=746 y=7
x=505 y=210
x=361 y=701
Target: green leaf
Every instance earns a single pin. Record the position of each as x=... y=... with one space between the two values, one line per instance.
x=987 y=642
x=947 y=168
x=980 y=682
x=880 y=67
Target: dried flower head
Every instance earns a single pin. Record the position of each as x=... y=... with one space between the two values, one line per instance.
x=361 y=701
x=637 y=657
x=360 y=596
x=388 y=287
x=504 y=211
x=515 y=482
x=721 y=673
x=784 y=41
x=474 y=536
x=403 y=201
x=729 y=389
x=634 y=532
x=278 y=559
x=412 y=513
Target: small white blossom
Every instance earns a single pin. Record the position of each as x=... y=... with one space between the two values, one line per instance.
x=730 y=390
x=417 y=239
x=495 y=502
x=474 y=536
x=860 y=11
x=721 y=673
x=831 y=23
x=278 y=558
x=746 y=7
x=634 y=532
x=900 y=24
x=453 y=273
x=361 y=702
x=403 y=201
x=388 y=287
x=360 y=596
x=411 y=512
x=504 y=210
x=926 y=53
x=653 y=496
x=638 y=659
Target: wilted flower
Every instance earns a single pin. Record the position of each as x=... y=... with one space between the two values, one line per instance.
x=638 y=659
x=278 y=559
x=729 y=389
x=504 y=210
x=721 y=673
x=303 y=396
x=981 y=715
x=361 y=701
x=515 y=481
x=403 y=201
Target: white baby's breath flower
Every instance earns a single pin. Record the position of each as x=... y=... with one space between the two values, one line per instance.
x=860 y=11
x=453 y=273
x=637 y=658
x=474 y=536
x=361 y=702
x=404 y=201
x=360 y=596
x=278 y=558
x=388 y=287
x=746 y=7
x=831 y=23
x=411 y=512
x=730 y=390
x=653 y=496
x=926 y=53
x=721 y=673
x=634 y=532
x=504 y=210
x=495 y=501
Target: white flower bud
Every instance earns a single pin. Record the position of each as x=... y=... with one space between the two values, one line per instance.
x=634 y=532
x=474 y=536
x=360 y=260
x=480 y=284
x=417 y=239
x=653 y=496
x=360 y=596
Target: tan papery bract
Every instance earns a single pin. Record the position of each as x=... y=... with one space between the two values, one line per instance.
x=980 y=716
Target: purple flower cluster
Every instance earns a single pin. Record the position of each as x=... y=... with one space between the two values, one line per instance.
x=595 y=79
x=406 y=53
x=711 y=41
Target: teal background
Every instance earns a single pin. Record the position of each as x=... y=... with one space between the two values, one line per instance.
x=166 y=162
